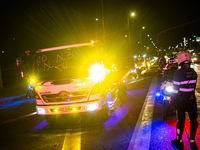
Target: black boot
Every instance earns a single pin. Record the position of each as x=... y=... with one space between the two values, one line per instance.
x=193 y=146
x=177 y=143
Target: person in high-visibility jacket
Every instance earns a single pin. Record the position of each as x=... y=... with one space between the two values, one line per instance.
x=183 y=98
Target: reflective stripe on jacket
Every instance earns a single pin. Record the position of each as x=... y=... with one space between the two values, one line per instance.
x=184 y=81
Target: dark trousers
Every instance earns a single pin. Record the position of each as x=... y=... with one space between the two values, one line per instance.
x=191 y=109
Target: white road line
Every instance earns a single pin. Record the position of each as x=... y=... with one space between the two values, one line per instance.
x=142 y=133
x=21 y=117
x=137 y=80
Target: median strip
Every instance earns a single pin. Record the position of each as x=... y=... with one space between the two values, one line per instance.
x=142 y=133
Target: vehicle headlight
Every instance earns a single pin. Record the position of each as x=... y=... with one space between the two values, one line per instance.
x=41 y=111
x=92 y=106
x=133 y=71
x=194 y=58
x=97 y=72
x=169 y=89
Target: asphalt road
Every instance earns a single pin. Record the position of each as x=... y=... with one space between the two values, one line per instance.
x=135 y=124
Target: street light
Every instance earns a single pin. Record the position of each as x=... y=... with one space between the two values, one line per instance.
x=129 y=32
x=140 y=37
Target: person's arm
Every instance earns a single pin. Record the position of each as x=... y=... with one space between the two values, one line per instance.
x=176 y=87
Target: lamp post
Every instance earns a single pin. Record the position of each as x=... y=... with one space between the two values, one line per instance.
x=140 y=38
x=103 y=24
x=129 y=32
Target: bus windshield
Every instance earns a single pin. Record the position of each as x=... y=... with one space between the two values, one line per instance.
x=63 y=64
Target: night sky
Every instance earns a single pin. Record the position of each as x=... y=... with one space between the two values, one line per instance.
x=36 y=24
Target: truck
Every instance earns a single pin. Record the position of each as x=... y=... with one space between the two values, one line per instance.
x=76 y=78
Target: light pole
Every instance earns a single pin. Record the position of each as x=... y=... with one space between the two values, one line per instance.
x=103 y=24
x=140 y=38
x=129 y=32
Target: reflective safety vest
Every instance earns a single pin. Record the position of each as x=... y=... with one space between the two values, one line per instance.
x=184 y=84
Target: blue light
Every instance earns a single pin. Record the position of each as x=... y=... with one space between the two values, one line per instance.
x=157 y=94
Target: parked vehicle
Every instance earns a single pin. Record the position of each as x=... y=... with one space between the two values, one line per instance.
x=163 y=95
x=76 y=79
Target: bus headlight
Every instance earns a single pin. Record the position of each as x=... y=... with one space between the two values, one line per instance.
x=41 y=111
x=91 y=107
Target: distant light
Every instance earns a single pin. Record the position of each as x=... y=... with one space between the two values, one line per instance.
x=13 y=38
x=97 y=19
x=132 y=14
x=143 y=27
x=92 y=42
x=135 y=56
x=126 y=35
x=133 y=71
x=2 y=51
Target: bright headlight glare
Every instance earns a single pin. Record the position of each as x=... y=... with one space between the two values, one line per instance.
x=97 y=72
x=194 y=58
x=169 y=89
x=41 y=111
x=133 y=71
x=92 y=106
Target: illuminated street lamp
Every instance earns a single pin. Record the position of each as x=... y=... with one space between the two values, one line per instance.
x=140 y=37
x=128 y=26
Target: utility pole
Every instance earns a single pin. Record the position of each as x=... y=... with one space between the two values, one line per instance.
x=1 y=82
x=129 y=35
x=103 y=24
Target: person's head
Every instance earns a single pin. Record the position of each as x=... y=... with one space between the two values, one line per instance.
x=184 y=58
x=171 y=56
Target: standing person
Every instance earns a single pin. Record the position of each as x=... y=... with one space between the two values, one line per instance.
x=184 y=100
x=162 y=60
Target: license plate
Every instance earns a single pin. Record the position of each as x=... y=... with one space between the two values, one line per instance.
x=64 y=109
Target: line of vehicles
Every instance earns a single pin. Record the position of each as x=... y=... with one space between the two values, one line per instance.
x=76 y=79
x=165 y=82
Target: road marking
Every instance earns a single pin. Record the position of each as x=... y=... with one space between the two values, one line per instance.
x=72 y=140
x=137 y=80
x=21 y=117
x=141 y=136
